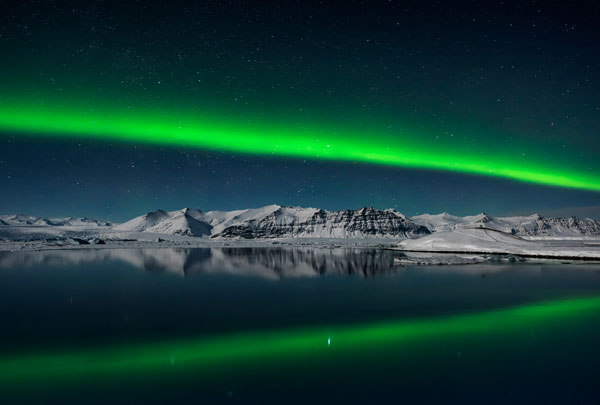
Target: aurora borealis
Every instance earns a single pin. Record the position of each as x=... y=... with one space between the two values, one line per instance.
x=299 y=201
x=422 y=108
x=280 y=140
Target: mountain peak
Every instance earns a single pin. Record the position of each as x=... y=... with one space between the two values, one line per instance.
x=274 y=221
x=156 y=213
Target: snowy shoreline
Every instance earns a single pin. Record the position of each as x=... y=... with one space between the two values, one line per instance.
x=158 y=241
x=451 y=244
x=492 y=241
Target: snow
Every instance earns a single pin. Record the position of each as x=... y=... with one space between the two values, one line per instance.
x=184 y=222
x=479 y=234
x=486 y=240
x=429 y=259
x=221 y=220
x=27 y=220
x=224 y=219
x=446 y=222
x=144 y=222
x=273 y=221
x=443 y=221
x=531 y=226
x=187 y=221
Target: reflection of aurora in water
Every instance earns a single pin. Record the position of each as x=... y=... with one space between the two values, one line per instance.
x=414 y=150
x=290 y=345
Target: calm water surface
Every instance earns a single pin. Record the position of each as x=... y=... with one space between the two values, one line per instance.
x=294 y=325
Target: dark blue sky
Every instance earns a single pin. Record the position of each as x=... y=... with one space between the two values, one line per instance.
x=515 y=78
x=117 y=181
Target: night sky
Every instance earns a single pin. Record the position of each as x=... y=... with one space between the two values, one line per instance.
x=109 y=110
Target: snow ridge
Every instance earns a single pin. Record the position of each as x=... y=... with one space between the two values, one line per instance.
x=185 y=222
x=28 y=220
x=532 y=225
x=274 y=221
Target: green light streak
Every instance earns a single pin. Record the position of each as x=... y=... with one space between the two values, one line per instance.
x=235 y=350
x=412 y=150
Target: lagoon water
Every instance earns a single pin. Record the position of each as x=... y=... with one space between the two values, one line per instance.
x=300 y=324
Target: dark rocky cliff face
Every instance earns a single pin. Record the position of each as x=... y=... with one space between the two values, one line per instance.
x=366 y=222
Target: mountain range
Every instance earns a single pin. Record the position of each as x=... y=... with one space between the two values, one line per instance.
x=274 y=221
x=531 y=225
x=28 y=220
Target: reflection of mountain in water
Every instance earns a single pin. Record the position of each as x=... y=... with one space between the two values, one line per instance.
x=264 y=262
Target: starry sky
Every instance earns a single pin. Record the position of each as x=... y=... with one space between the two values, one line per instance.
x=109 y=110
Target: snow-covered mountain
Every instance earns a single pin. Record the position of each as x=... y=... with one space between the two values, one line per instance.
x=445 y=221
x=532 y=225
x=186 y=222
x=27 y=220
x=310 y=222
x=274 y=221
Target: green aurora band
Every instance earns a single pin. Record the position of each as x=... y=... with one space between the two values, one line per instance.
x=256 y=137
x=289 y=346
